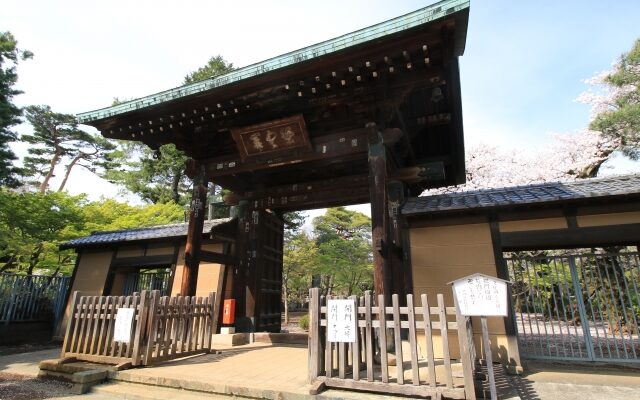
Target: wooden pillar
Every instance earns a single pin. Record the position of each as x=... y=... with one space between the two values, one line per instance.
x=379 y=212
x=194 y=235
x=241 y=268
x=246 y=279
x=253 y=270
x=399 y=265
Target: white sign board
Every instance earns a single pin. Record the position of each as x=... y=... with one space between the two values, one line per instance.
x=124 y=322
x=481 y=295
x=341 y=320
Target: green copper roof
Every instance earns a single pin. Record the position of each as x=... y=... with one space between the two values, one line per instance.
x=399 y=24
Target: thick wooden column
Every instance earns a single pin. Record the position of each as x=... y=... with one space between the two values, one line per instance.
x=241 y=268
x=194 y=235
x=398 y=251
x=246 y=279
x=379 y=212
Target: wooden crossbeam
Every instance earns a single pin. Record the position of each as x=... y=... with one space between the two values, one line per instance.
x=329 y=146
x=297 y=189
x=316 y=199
x=336 y=145
x=213 y=257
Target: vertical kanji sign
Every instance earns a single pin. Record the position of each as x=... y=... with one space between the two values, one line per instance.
x=341 y=320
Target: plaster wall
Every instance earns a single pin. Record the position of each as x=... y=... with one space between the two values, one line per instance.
x=609 y=219
x=208 y=273
x=441 y=254
x=533 y=224
x=91 y=276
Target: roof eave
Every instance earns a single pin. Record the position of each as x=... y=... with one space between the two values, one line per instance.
x=459 y=9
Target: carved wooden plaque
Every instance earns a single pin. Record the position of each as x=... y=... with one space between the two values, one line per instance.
x=272 y=137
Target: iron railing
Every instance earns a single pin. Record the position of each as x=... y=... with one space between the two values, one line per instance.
x=137 y=282
x=32 y=297
x=584 y=306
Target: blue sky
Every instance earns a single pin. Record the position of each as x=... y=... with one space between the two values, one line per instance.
x=525 y=62
x=522 y=69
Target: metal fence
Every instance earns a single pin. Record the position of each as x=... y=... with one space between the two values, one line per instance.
x=32 y=298
x=583 y=306
x=137 y=282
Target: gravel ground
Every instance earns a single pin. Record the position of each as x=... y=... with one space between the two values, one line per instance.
x=19 y=387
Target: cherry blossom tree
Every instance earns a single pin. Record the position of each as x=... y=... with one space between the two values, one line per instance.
x=614 y=98
x=567 y=157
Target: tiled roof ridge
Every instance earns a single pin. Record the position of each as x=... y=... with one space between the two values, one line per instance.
x=550 y=184
x=544 y=192
x=145 y=228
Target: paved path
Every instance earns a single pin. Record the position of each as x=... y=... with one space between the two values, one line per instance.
x=547 y=381
x=270 y=370
x=26 y=363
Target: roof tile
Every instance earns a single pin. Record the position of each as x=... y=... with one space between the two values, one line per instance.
x=521 y=195
x=147 y=233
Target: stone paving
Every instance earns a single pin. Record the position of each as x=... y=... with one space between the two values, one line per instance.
x=280 y=372
x=246 y=370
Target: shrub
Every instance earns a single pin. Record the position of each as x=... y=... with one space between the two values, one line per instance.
x=304 y=322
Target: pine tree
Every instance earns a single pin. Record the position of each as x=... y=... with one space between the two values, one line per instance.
x=10 y=114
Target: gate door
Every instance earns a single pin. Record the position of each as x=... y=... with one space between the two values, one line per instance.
x=584 y=306
x=269 y=273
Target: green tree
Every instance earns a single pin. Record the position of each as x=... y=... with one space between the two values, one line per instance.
x=216 y=66
x=56 y=138
x=159 y=176
x=619 y=115
x=31 y=227
x=110 y=215
x=10 y=114
x=343 y=238
x=156 y=178
x=298 y=264
x=293 y=222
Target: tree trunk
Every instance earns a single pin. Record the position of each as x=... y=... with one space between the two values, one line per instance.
x=285 y=293
x=35 y=258
x=52 y=166
x=68 y=171
x=11 y=262
x=212 y=192
x=175 y=195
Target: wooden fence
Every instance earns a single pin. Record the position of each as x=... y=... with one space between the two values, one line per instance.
x=365 y=363
x=162 y=328
x=32 y=297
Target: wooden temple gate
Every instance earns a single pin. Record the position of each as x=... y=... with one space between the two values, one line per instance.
x=371 y=116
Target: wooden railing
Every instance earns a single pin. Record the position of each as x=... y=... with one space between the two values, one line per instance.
x=365 y=363
x=162 y=328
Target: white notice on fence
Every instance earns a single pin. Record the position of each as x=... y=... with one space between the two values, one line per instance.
x=481 y=295
x=122 y=329
x=341 y=320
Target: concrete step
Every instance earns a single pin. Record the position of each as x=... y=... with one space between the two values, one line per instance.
x=136 y=391
x=88 y=396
